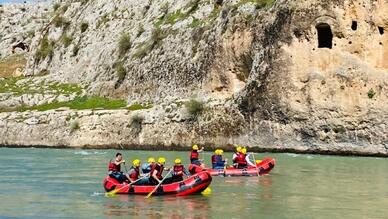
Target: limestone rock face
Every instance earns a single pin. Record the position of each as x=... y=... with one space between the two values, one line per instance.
x=292 y=75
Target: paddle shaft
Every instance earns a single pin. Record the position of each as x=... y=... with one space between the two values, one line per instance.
x=154 y=190
x=116 y=190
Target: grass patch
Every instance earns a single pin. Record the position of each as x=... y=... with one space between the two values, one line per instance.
x=178 y=15
x=78 y=103
x=196 y=23
x=10 y=64
x=138 y=106
x=258 y=3
x=75 y=50
x=10 y=85
x=59 y=21
x=194 y=107
x=124 y=44
x=56 y=6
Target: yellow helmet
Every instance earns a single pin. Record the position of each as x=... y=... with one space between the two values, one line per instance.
x=216 y=151
x=238 y=149
x=162 y=160
x=195 y=147
x=151 y=160
x=258 y=161
x=221 y=151
x=136 y=162
x=178 y=161
x=244 y=150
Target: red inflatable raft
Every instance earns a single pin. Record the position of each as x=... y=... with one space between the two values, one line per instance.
x=192 y=185
x=262 y=168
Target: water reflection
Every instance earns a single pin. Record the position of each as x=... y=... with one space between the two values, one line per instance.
x=195 y=207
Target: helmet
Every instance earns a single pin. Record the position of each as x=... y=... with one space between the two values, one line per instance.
x=221 y=151
x=258 y=161
x=238 y=149
x=178 y=161
x=162 y=160
x=136 y=162
x=217 y=151
x=151 y=160
x=195 y=147
x=244 y=151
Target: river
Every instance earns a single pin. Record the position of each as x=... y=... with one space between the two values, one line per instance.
x=66 y=183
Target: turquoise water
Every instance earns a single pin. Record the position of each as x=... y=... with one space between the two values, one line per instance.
x=59 y=183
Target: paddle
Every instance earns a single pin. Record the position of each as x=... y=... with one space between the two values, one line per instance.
x=113 y=192
x=154 y=190
x=254 y=161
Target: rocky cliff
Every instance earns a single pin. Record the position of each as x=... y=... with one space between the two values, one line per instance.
x=281 y=75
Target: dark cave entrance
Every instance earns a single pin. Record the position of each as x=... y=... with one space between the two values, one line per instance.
x=325 y=36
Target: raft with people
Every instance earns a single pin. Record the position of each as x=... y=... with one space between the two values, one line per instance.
x=262 y=168
x=192 y=185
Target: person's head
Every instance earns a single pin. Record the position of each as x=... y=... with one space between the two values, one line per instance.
x=221 y=152
x=244 y=151
x=136 y=163
x=238 y=149
x=119 y=157
x=216 y=151
x=195 y=147
x=178 y=161
x=151 y=160
x=162 y=160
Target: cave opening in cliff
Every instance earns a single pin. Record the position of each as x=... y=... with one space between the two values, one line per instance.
x=381 y=30
x=325 y=36
x=354 y=25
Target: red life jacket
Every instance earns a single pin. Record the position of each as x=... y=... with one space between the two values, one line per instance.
x=114 y=167
x=214 y=159
x=194 y=155
x=240 y=159
x=134 y=173
x=158 y=168
x=178 y=170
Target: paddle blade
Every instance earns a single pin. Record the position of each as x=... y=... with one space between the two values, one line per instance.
x=112 y=193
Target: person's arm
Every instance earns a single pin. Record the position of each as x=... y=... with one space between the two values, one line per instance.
x=201 y=150
x=248 y=161
x=234 y=156
x=155 y=176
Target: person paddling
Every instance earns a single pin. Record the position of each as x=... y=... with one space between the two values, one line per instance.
x=235 y=155
x=146 y=167
x=243 y=160
x=219 y=161
x=157 y=171
x=114 y=168
x=134 y=174
x=178 y=171
x=194 y=156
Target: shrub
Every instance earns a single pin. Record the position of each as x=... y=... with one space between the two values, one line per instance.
x=75 y=50
x=56 y=6
x=120 y=71
x=84 y=27
x=66 y=40
x=124 y=44
x=74 y=126
x=59 y=21
x=194 y=107
x=371 y=93
x=46 y=49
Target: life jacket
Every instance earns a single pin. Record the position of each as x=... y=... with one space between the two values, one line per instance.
x=218 y=161
x=214 y=159
x=178 y=170
x=240 y=159
x=194 y=156
x=114 y=167
x=158 y=168
x=235 y=155
x=134 y=173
